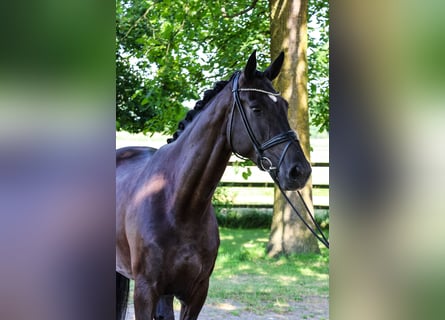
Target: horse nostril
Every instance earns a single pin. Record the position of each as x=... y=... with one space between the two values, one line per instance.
x=299 y=172
x=294 y=173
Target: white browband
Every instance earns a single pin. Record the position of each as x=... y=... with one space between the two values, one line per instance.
x=259 y=90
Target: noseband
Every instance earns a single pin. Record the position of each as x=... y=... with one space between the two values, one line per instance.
x=263 y=162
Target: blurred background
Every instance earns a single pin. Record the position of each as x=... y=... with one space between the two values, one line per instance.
x=57 y=146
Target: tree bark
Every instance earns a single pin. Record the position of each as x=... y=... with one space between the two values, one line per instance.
x=289 y=34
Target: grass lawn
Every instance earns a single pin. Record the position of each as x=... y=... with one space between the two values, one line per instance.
x=245 y=275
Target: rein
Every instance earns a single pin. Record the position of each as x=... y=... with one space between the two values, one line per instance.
x=264 y=163
x=322 y=239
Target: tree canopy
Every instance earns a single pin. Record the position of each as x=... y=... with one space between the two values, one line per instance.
x=168 y=52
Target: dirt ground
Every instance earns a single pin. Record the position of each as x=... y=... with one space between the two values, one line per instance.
x=315 y=308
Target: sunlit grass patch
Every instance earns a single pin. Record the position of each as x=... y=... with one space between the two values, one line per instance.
x=243 y=273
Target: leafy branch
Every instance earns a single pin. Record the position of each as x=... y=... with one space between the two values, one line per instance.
x=249 y=8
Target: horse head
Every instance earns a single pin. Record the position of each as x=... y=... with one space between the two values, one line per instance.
x=259 y=128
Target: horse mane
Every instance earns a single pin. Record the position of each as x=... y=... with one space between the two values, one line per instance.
x=199 y=106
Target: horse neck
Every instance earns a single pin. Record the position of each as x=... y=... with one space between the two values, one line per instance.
x=202 y=152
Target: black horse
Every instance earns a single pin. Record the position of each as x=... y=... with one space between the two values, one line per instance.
x=166 y=232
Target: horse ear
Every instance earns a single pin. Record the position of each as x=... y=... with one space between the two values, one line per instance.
x=249 y=70
x=274 y=69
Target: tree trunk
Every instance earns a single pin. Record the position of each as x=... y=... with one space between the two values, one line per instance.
x=289 y=34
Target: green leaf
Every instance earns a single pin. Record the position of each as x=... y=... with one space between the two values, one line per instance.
x=246 y=174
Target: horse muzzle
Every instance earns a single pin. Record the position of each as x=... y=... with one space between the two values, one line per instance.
x=295 y=177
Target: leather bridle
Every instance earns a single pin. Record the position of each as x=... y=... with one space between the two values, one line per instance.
x=263 y=162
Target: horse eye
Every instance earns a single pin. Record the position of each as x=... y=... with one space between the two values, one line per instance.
x=256 y=109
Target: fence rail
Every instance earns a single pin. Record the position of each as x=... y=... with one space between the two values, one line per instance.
x=257 y=190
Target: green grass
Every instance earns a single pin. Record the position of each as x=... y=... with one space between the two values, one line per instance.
x=245 y=275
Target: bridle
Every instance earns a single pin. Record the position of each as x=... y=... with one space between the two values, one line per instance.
x=263 y=162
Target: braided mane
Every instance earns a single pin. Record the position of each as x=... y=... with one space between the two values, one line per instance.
x=199 y=106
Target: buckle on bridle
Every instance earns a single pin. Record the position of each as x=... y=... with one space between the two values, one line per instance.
x=265 y=164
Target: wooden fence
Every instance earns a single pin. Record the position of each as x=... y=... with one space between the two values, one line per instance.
x=257 y=191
